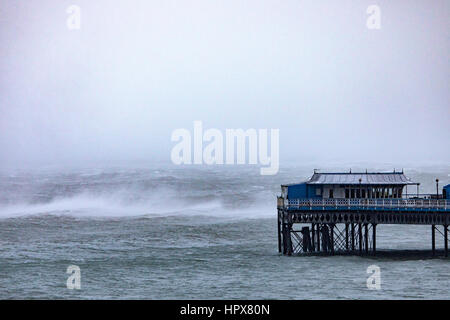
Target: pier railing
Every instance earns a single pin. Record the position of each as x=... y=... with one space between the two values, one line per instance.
x=370 y=203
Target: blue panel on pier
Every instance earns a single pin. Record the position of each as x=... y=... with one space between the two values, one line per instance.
x=314 y=192
x=296 y=191
x=446 y=192
x=303 y=190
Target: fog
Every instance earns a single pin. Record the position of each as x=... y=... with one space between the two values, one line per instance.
x=115 y=90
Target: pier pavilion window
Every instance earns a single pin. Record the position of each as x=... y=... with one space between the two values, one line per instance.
x=347 y=193
x=399 y=192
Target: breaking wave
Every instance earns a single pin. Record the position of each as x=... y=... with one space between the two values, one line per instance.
x=131 y=194
x=90 y=206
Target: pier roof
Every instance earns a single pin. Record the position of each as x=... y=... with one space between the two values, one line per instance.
x=376 y=178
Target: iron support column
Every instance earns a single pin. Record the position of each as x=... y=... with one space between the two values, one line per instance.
x=433 y=239
x=318 y=237
x=332 y=238
x=353 y=236
x=374 y=238
x=279 y=233
x=346 y=236
x=284 y=231
x=313 y=237
x=446 y=240
x=288 y=239
x=360 y=238
x=366 y=237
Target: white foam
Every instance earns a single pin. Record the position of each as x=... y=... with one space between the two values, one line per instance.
x=118 y=205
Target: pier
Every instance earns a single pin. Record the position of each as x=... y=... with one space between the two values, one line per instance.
x=338 y=213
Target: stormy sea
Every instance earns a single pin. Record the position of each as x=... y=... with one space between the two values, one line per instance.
x=186 y=232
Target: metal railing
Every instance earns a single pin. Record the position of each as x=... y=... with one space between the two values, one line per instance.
x=423 y=196
x=370 y=203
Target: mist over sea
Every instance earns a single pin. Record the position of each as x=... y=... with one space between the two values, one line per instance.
x=188 y=232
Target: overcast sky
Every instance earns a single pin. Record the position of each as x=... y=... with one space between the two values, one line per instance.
x=137 y=70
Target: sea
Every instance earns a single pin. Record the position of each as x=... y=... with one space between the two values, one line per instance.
x=186 y=232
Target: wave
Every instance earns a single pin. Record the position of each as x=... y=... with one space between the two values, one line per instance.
x=119 y=205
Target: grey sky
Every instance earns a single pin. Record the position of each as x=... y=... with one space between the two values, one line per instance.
x=137 y=70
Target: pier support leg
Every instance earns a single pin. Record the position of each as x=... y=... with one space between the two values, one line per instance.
x=307 y=247
x=360 y=238
x=313 y=236
x=366 y=237
x=446 y=240
x=286 y=225
x=279 y=232
x=433 y=239
x=332 y=239
x=318 y=237
x=353 y=237
x=288 y=239
x=325 y=238
x=374 y=238
x=346 y=236
x=286 y=232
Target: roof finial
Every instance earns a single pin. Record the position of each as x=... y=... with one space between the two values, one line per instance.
x=350 y=170
x=366 y=170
